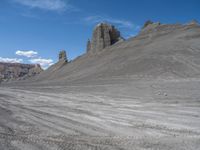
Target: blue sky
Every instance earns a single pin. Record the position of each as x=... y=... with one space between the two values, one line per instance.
x=34 y=31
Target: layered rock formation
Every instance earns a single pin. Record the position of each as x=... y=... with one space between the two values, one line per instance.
x=15 y=71
x=104 y=35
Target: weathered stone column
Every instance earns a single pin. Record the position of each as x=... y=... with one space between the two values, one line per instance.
x=104 y=35
x=63 y=56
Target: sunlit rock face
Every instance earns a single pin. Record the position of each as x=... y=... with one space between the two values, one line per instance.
x=104 y=35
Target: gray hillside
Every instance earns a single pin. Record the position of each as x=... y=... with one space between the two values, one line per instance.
x=159 y=51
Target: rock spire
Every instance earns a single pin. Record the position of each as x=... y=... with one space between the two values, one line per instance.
x=104 y=35
x=63 y=56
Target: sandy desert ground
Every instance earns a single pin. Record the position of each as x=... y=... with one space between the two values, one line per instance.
x=123 y=115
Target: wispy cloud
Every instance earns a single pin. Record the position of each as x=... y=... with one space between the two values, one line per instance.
x=119 y=22
x=10 y=60
x=52 y=5
x=45 y=63
x=127 y=28
x=28 y=54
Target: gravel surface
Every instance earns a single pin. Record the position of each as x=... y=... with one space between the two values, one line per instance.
x=143 y=115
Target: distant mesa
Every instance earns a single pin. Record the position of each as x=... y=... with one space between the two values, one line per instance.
x=104 y=35
x=16 y=71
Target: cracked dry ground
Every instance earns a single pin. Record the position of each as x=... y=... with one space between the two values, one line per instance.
x=141 y=115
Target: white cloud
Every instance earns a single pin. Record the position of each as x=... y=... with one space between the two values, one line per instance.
x=120 y=23
x=45 y=63
x=28 y=54
x=53 y=5
x=10 y=60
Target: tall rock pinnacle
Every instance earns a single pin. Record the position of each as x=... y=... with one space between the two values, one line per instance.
x=63 y=56
x=104 y=35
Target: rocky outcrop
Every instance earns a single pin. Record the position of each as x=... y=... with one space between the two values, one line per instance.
x=104 y=35
x=148 y=25
x=149 y=22
x=15 y=71
x=63 y=56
